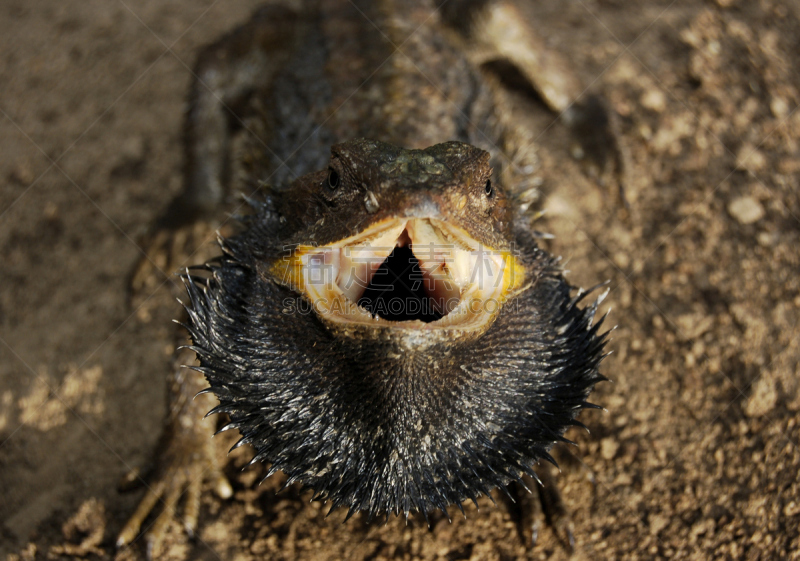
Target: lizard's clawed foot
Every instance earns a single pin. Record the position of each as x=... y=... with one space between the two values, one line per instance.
x=186 y=460
x=540 y=503
x=176 y=480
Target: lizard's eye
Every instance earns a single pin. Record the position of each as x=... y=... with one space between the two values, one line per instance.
x=488 y=188
x=333 y=179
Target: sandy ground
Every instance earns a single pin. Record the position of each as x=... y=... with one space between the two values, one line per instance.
x=697 y=455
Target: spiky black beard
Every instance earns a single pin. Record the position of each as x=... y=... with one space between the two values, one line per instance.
x=374 y=427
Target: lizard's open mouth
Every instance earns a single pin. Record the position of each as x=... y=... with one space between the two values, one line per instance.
x=419 y=273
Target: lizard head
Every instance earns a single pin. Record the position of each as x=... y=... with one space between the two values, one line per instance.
x=392 y=408
x=412 y=243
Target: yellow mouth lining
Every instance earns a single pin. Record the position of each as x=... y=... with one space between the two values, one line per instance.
x=470 y=281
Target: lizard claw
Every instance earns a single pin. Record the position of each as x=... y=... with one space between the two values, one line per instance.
x=186 y=460
x=173 y=484
x=542 y=503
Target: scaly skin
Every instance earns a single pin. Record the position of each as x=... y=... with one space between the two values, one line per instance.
x=404 y=74
x=393 y=416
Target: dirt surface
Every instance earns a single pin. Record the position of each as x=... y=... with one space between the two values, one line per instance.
x=697 y=455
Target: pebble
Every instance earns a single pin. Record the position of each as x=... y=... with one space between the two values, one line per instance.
x=779 y=107
x=746 y=210
x=608 y=448
x=763 y=399
x=750 y=159
x=654 y=100
x=657 y=523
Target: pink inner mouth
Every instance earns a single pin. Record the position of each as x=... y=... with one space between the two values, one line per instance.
x=411 y=283
x=419 y=273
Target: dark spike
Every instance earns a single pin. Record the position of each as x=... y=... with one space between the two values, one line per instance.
x=350 y=512
x=504 y=489
x=239 y=443
x=550 y=459
x=587 y=405
x=226 y=427
x=577 y=423
x=221 y=408
x=536 y=478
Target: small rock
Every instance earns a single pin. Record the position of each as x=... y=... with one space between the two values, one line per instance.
x=791 y=509
x=608 y=448
x=658 y=523
x=779 y=107
x=750 y=159
x=654 y=100
x=692 y=326
x=763 y=399
x=746 y=210
x=658 y=322
x=765 y=239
